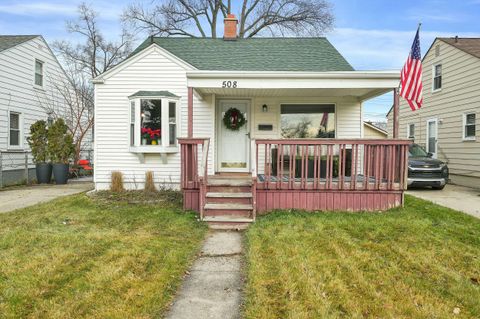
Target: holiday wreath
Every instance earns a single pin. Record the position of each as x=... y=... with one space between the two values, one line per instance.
x=234 y=119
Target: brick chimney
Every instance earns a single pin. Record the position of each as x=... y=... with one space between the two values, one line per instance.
x=230 y=24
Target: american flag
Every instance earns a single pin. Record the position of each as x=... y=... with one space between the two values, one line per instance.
x=411 y=77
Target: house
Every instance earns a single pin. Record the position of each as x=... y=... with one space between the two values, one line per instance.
x=29 y=72
x=246 y=125
x=371 y=130
x=446 y=123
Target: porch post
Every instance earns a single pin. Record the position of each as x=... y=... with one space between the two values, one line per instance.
x=395 y=112
x=190 y=112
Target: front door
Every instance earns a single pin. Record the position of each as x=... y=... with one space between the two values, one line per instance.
x=233 y=145
x=432 y=137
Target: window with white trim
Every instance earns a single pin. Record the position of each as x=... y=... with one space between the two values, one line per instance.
x=132 y=123
x=437 y=77
x=153 y=121
x=14 y=132
x=38 y=72
x=411 y=131
x=469 y=128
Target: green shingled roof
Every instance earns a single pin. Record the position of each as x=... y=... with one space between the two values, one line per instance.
x=8 y=41
x=153 y=93
x=254 y=54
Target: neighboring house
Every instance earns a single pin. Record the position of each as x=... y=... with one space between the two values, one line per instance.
x=193 y=92
x=370 y=130
x=446 y=123
x=28 y=69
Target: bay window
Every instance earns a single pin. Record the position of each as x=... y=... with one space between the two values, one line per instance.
x=153 y=122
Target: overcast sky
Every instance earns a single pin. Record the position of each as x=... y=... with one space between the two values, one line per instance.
x=371 y=34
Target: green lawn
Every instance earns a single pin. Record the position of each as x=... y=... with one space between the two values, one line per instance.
x=101 y=258
x=422 y=261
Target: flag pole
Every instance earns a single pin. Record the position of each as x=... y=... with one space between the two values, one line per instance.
x=396 y=100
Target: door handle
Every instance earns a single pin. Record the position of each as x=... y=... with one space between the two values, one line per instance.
x=248 y=134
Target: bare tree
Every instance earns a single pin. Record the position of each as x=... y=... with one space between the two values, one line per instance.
x=72 y=100
x=199 y=18
x=95 y=54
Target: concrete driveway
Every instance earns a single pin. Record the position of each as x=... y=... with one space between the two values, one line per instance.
x=456 y=197
x=15 y=198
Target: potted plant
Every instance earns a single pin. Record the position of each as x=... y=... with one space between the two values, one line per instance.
x=60 y=149
x=38 y=144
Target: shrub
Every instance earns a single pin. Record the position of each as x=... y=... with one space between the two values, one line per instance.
x=38 y=141
x=60 y=142
x=149 y=182
x=117 y=182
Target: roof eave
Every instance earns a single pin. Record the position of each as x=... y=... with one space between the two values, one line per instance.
x=387 y=74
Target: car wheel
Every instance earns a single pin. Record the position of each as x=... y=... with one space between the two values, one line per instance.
x=438 y=187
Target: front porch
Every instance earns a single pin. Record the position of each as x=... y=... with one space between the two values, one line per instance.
x=330 y=168
x=320 y=174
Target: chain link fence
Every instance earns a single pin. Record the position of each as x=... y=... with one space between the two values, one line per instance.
x=16 y=167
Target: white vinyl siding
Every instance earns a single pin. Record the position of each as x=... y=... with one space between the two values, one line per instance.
x=459 y=97
x=150 y=70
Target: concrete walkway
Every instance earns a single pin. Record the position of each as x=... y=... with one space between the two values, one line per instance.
x=456 y=197
x=213 y=287
x=20 y=197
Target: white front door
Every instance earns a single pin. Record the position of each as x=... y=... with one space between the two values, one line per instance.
x=432 y=137
x=233 y=145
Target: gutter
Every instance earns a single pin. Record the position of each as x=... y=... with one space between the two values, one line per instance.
x=199 y=74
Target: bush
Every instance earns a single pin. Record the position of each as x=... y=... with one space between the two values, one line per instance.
x=149 y=182
x=60 y=142
x=117 y=182
x=38 y=141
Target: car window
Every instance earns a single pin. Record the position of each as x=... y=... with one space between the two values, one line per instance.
x=416 y=150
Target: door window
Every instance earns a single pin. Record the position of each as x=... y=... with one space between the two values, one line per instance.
x=432 y=137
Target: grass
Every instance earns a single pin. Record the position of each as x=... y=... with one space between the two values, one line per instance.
x=422 y=261
x=99 y=258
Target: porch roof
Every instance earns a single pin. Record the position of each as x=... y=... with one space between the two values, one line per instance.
x=361 y=84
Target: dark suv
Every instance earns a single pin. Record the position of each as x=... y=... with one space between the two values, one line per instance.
x=423 y=170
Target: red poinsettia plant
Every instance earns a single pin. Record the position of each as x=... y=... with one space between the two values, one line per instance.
x=150 y=134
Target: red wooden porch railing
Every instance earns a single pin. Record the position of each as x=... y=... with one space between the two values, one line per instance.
x=194 y=174
x=331 y=164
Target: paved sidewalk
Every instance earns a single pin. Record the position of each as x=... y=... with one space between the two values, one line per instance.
x=15 y=198
x=213 y=287
x=456 y=197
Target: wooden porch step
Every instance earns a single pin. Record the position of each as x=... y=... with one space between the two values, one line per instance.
x=227 y=219
x=229 y=206
x=229 y=182
x=227 y=222
x=229 y=195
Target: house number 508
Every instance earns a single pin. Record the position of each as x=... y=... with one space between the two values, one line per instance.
x=229 y=84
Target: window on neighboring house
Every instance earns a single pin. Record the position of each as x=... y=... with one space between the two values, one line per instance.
x=411 y=131
x=469 y=126
x=437 y=50
x=38 y=73
x=308 y=120
x=14 y=136
x=437 y=77
x=153 y=121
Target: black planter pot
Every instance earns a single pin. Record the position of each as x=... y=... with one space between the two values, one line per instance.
x=44 y=172
x=60 y=173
